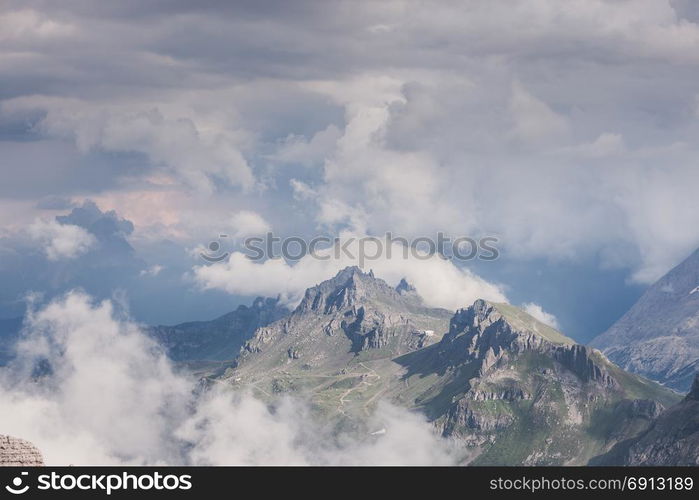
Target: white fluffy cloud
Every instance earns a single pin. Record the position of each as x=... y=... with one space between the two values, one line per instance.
x=242 y=430
x=248 y=223
x=438 y=281
x=61 y=241
x=536 y=311
x=113 y=398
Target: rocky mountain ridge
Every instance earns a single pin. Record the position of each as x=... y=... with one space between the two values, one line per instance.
x=504 y=386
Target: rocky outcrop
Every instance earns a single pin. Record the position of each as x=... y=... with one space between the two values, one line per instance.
x=18 y=453
x=465 y=415
x=581 y=360
x=370 y=328
x=484 y=334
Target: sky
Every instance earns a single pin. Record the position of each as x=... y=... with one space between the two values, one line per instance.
x=133 y=133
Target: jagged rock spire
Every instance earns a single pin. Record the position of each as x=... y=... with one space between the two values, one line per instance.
x=350 y=287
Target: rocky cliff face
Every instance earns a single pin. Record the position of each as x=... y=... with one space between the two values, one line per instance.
x=18 y=453
x=369 y=312
x=659 y=336
x=486 y=333
x=672 y=439
x=219 y=339
x=515 y=391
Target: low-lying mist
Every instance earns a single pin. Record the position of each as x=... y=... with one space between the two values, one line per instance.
x=88 y=387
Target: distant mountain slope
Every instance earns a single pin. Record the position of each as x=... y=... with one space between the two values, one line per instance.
x=506 y=387
x=659 y=336
x=216 y=340
x=672 y=439
x=221 y=338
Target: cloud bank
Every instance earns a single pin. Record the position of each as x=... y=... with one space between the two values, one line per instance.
x=439 y=282
x=88 y=387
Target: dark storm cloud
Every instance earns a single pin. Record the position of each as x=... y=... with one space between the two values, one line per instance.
x=36 y=169
x=115 y=45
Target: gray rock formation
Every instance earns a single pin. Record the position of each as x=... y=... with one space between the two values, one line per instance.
x=491 y=331
x=659 y=336
x=672 y=439
x=18 y=453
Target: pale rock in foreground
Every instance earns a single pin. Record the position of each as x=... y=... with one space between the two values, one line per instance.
x=16 y=452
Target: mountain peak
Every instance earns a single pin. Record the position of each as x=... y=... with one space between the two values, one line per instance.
x=349 y=287
x=351 y=312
